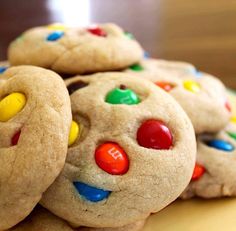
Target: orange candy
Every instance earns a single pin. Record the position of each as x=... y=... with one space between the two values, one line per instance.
x=111 y=158
x=198 y=171
x=164 y=85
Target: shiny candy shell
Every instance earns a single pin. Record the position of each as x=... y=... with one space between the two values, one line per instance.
x=15 y=138
x=97 y=31
x=192 y=86
x=74 y=132
x=11 y=105
x=221 y=145
x=154 y=134
x=227 y=106
x=136 y=67
x=232 y=135
x=55 y=35
x=90 y=193
x=198 y=171
x=165 y=86
x=56 y=27
x=122 y=96
x=2 y=69
x=111 y=158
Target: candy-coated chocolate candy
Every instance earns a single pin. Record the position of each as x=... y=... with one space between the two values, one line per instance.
x=227 y=106
x=97 y=31
x=91 y=193
x=136 y=67
x=192 y=86
x=122 y=95
x=146 y=55
x=2 y=69
x=129 y=35
x=232 y=135
x=76 y=86
x=198 y=171
x=55 y=35
x=56 y=27
x=15 y=138
x=154 y=134
x=165 y=86
x=221 y=145
x=196 y=73
x=233 y=119
x=111 y=158
x=11 y=105
x=74 y=132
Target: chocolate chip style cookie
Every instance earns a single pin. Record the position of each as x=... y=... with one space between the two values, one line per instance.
x=35 y=118
x=132 y=152
x=76 y=50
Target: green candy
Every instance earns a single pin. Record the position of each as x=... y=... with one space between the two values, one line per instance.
x=232 y=135
x=136 y=67
x=129 y=35
x=122 y=96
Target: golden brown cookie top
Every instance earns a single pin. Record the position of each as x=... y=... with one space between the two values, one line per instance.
x=76 y=50
x=35 y=118
x=202 y=96
x=133 y=155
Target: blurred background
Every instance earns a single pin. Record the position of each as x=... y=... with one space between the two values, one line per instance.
x=202 y=32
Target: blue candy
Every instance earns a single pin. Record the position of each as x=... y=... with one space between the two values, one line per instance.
x=221 y=145
x=146 y=55
x=91 y=193
x=55 y=35
x=2 y=69
x=196 y=73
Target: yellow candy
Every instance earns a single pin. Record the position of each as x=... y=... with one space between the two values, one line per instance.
x=11 y=105
x=56 y=26
x=192 y=86
x=74 y=132
x=233 y=119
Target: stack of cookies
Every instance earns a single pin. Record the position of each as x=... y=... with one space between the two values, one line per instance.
x=96 y=136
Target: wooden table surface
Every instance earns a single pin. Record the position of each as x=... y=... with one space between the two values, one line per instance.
x=202 y=32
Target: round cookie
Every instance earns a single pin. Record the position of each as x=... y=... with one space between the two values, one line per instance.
x=42 y=220
x=214 y=174
x=35 y=118
x=202 y=96
x=133 y=155
x=132 y=227
x=76 y=50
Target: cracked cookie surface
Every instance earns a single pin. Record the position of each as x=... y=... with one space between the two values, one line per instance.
x=35 y=117
x=75 y=50
x=134 y=152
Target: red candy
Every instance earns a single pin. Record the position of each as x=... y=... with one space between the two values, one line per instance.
x=198 y=171
x=97 y=31
x=164 y=85
x=227 y=105
x=111 y=158
x=15 y=138
x=154 y=134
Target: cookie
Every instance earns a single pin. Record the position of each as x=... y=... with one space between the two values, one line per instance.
x=132 y=227
x=35 y=118
x=214 y=174
x=202 y=96
x=4 y=65
x=76 y=50
x=133 y=152
x=42 y=220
